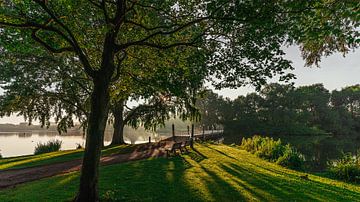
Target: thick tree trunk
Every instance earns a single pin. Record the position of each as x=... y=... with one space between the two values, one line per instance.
x=100 y=98
x=88 y=191
x=118 y=136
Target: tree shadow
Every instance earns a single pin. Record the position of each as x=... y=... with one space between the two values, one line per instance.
x=200 y=175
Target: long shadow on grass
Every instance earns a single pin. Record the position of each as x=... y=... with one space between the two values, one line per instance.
x=148 y=180
x=220 y=152
x=280 y=187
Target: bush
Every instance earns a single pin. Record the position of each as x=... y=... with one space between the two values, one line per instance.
x=291 y=158
x=346 y=168
x=50 y=146
x=270 y=149
x=273 y=150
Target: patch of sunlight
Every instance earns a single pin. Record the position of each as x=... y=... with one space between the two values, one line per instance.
x=255 y=192
x=36 y=158
x=194 y=179
x=68 y=179
x=206 y=178
x=170 y=172
x=221 y=176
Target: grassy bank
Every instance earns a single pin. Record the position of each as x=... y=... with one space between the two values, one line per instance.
x=213 y=173
x=56 y=157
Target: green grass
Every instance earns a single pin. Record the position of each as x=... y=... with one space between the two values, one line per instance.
x=55 y=157
x=213 y=173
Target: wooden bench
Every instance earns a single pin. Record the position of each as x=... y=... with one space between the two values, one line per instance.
x=173 y=148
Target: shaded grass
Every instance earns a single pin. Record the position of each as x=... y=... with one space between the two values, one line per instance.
x=57 y=157
x=211 y=173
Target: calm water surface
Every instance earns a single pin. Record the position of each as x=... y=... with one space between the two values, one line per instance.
x=20 y=143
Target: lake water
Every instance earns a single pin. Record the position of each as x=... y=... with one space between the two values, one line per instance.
x=20 y=143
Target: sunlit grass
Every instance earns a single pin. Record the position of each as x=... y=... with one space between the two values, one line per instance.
x=56 y=157
x=213 y=173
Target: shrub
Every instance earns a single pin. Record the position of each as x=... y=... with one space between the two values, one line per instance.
x=251 y=144
x=273 y=150
x=50 y=146
x=291 y=158
x=346 y=168
x=270 y=149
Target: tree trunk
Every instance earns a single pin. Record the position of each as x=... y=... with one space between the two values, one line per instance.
x=192 y=136
x=118 y=136
x=88 y=190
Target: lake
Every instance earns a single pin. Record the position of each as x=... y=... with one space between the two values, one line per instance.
x=24 y=143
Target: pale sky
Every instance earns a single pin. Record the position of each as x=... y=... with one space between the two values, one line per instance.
x=335 y=72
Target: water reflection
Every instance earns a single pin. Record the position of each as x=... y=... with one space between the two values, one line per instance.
x=23 y=143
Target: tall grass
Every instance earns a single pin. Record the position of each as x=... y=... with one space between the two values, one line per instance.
x=273 y=150
x=50 y=146
x=346 y=168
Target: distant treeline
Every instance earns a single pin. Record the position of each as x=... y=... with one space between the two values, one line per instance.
x=285 y=110
x=25 y=127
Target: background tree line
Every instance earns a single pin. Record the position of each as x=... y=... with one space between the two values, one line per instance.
x=286 y=110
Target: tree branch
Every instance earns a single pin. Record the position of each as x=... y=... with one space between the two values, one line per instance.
x=47 y=46
x=118 y=69
x=83 y=58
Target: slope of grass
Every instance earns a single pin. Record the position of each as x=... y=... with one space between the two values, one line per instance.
x=212 y=173
x=55 y=157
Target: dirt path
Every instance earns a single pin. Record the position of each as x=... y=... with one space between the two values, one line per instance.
x=10 y=178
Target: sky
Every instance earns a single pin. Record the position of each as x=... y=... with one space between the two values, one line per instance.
x=335 y=72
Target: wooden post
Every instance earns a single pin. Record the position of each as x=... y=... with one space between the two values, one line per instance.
x=173 y=131
x=149 y=139
x=203 y=132
x=188 y=128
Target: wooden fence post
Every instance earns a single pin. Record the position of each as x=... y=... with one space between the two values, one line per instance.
x=192 y=136
x=203 y=132
x=173 y=131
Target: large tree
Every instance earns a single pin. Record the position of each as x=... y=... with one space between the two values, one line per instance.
x=245 y=36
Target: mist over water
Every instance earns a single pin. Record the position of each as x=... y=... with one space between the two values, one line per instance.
x=24 y=143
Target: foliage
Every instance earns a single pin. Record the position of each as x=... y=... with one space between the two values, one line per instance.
x=291 y=158
x=214 y=109
x=50 y=146
x=280 y=109
x=346 y=168
x=192 y=178
x=273 y=150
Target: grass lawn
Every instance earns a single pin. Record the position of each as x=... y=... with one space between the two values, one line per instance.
x=213 y=173
x=56 y=157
